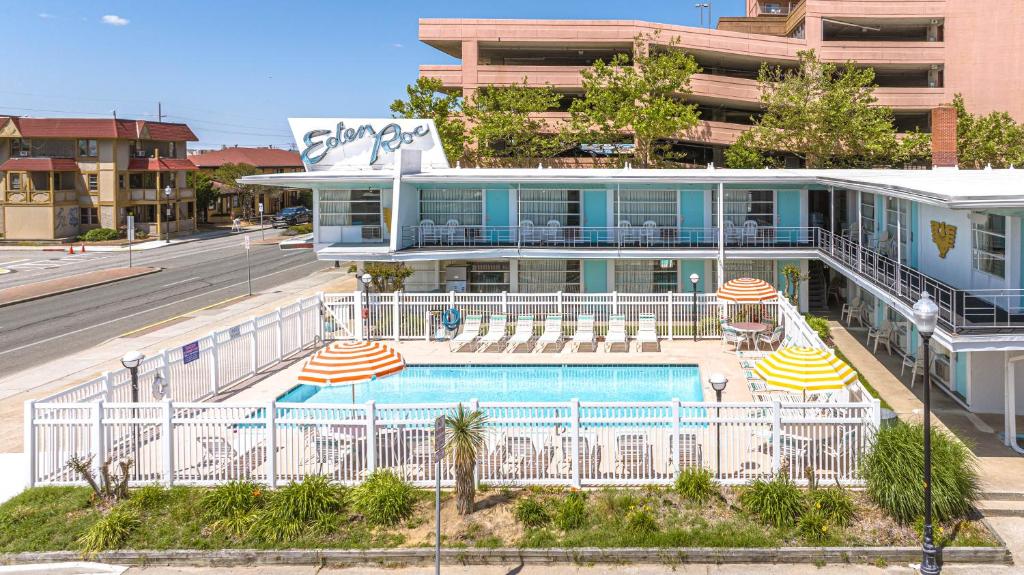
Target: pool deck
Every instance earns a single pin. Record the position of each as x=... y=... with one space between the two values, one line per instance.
x=707 y=355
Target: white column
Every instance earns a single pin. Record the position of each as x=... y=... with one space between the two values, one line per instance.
x=721 y=235
x=574 y=424
x=168 y=442
x=513 y=275
x=832 y=208
x=30 y=442
x=271 y=443
x=371 y=436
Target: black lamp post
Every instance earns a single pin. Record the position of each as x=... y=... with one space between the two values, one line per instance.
x=365 y=279
x=694 y=278
x=718 y=382
x=167 y=196
x=131 y=362
x=926 y=313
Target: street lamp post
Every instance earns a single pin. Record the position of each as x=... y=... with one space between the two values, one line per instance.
x=926 y=314
x=694 y=278
x=718 y=382
x=365 y=279
x=131 y=362
x=167 y=196
x=702 y=6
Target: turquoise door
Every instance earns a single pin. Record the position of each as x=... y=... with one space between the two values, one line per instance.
x=595 y=215
x=496 y=217
x=595 y=276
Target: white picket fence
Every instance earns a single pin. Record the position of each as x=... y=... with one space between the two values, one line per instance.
x=563 y=443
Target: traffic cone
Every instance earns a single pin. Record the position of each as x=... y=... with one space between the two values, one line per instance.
x=71 y=249
x=83 y=248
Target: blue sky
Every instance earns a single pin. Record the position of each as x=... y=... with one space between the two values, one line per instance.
x=236 y=70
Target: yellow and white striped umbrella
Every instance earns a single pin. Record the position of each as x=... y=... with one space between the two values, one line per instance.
x=747 y=290
x=805 y=369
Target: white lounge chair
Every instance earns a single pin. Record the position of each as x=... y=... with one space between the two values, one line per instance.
x=616 y=332
x=552 y=331
x=470 y=331
x=647 y=333
x=495 y=332
x=584 y=331
x=524 y=332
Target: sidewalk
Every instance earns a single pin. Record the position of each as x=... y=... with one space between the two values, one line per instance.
x=46 y=288
x=143 y=245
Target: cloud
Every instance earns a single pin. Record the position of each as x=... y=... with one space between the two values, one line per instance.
x=114 y=20
x=46 y=16
x=397 y=45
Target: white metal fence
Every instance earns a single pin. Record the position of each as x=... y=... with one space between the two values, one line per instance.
x=565 y=443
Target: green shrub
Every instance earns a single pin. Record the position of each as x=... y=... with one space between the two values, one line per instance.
x=110 y=531
x=819 y=325
x=893 y=468
x=572 y=511
x=531 y=512
x=777 y=503
x=834 y=503
x=99 y=235
x=814 y=526
x=640 y=521
x=697 y=484
x=313 y=502
x=301 y=229
x=384 y=498
x=147 y=496
x=233 y=498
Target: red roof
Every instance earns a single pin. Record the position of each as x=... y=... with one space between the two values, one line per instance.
x=39 y=165
x=258 y=157
x=102 y=128
x=163 y=164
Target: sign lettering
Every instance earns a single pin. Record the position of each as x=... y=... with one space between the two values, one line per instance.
x=390 y=138
x=189 y=352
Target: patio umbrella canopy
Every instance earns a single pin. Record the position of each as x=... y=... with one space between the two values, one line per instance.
x=351 y=362
x=747 y=290
x=805 y=369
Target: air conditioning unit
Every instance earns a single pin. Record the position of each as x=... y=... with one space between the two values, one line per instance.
x=141 y=154
x=940 y=369
x=23 y=153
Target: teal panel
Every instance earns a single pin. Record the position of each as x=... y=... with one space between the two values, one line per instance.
x=912 y=341
x=691 y=208
x=496 y=213
x=787 y=208
x=595 y=208
x=960 y=385
x=879 y=214
x=690 y=267
x=595 y=276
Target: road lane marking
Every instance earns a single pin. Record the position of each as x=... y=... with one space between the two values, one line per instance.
x=108 y=322
x=181 y=282
x=13 y=262
x=154 y=324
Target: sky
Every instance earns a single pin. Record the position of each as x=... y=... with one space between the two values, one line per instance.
x=235 y=71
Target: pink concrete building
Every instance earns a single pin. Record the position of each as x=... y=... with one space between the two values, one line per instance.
x=923 y=52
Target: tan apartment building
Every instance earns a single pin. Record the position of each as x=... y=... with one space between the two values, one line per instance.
x=923 y=52
x=266 y=161
x=60 y=177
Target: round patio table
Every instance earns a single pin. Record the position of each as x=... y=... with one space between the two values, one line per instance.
x=750 y=329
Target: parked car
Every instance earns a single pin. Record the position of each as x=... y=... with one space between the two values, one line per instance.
x=290 y=217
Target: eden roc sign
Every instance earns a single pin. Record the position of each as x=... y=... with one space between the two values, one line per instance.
x=361 y=143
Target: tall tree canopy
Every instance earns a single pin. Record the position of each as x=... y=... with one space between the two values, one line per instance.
x=504 y=124
x=825 y=114
x=643 y=96
x=229 y=174
x=427 y=99
x=206 y=193
x=994 y=139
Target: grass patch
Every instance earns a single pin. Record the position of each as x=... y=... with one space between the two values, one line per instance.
x=860 y=376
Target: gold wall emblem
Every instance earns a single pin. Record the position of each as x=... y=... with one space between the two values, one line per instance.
x=944 y=236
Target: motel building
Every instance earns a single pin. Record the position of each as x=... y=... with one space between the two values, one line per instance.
x=871 y=240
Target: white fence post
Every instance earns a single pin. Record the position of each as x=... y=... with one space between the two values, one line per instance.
x=560 y=302
x=279 y=332
x=371 y=436
x=574 y=424
x=670 y=334
x=108 y=385
x=300 y=326
x=359 y=310
x=674 y=443
x=168 y=442
x=321 y=306
x=165 y=358
x=30 y=441
x=253 y=348
x=214 y=365
x=776 y=436
x=97 y=438
x=474 y=405
x=504 y=302
x=615 y=302
x=396 y=314
x=272 y=445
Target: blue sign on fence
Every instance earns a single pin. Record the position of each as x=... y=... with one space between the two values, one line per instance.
x=190 y=352
x=235 y=331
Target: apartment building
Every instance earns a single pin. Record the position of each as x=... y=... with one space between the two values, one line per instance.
x=60 y=177
x=923 y=52
x=266 y=161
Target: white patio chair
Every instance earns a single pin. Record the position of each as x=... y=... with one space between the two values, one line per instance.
x=627 y=234
x=523 y=333
x=456 y=232
x=851 y=309
x=428 y=233
x=881 y=334
x=495 y=332
x=528 y=232
x=647 y=333
x=553 y=231
x=916 y=365
x=773 y=339
x=584 y=331
x=616 y=333
x=749 y=231
x=732 y=235
x=552 y=332
x=731 y=336
x=470 y=332
x=649 y=233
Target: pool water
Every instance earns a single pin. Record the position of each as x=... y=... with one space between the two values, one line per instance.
x=520 y=383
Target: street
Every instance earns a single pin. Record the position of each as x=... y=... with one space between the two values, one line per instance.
x=195 y=275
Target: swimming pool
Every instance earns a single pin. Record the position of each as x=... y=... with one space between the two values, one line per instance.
x=450 y=384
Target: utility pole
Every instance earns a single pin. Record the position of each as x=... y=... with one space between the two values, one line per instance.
x=159 y=112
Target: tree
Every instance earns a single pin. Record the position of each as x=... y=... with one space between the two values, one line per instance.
x=464 y=440
x=994 y=139
x=826 y=115
x=206 y=193
x=643 y=97
x=427 y=99
x=229 y=174
x=388 y=276
x=505 y=127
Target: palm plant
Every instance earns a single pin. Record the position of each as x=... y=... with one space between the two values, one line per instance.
x=464 y=439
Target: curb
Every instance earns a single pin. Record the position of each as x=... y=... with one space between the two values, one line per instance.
x=506 y=556
x=77 y=288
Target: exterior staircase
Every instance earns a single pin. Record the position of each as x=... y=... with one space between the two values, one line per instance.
x=817 y=287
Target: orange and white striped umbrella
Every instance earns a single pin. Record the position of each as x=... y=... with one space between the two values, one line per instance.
x=747 y=290
x=351 y=362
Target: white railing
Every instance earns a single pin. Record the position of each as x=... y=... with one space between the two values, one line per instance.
x=569 y=443
x=223 y=358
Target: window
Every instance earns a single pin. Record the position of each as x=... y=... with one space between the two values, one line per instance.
x=894 y=209
x=543 y=206
x=488 y=277
x=21 y=147
x=441 y=206
x=87 y=148
x=646 y=276
x=145 y=213
x=14 y=181
x=90 y=216
x=350 y=208
x=867 y=216
x=120 y=182
x=757 y=269
x=743 y=205
x=94 y=182
x=639 y=206
x=549 y=276
x=989 y=236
